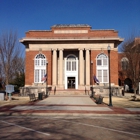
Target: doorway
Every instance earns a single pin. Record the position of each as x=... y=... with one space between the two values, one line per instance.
x=71 y=82
x=71 y=72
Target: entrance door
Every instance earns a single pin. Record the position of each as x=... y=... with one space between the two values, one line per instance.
x=71 y=72
x=71 y=82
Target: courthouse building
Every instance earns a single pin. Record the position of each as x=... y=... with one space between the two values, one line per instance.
x=70 y=56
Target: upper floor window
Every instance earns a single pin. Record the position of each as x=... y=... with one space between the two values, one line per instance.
x=40 y=60
x=71 y=63
x=102 y=60
x=124 y=63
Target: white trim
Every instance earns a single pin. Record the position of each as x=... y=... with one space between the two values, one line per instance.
x=102 y=68
x=71 y=73
x=41 y=68
x=62 y=39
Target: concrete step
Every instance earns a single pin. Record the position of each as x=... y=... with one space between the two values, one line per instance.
x=70 y=92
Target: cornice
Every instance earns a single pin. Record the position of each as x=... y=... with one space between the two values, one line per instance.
x=71 y=39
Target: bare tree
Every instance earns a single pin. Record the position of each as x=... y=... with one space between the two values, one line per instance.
x=10 y=56
x=131 y=49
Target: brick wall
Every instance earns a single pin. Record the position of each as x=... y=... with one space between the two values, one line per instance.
x=51 y=35
x=29 y=66
x=120 y=56
x=91 y=33
x=113 y=65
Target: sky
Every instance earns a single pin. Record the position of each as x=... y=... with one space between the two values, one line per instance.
x=24 y=15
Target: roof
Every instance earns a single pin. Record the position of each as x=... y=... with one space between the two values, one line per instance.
x=71 y=25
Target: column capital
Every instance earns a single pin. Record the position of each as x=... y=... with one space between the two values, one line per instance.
x=87 y=49
x=81 y=49
x=60 y=49
x=54 y=49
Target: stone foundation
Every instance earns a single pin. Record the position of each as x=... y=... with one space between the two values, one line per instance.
x=87 y=90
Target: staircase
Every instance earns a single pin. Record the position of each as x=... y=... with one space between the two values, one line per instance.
x=70 y=92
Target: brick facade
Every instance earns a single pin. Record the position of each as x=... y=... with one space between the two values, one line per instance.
x=70 y=39
x=29 y=66
x=113 y=64
x=91 y=33
x=123 y=72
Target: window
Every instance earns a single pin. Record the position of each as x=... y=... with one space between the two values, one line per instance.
x=71 y=63
x=102 y=68
x=102 y=60
x=124 y=63
x=40 y=60
x=39 y=68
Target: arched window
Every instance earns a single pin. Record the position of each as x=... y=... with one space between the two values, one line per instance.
x=124 y=63
x=102 y=68
x=39 y=68
x=71 y=63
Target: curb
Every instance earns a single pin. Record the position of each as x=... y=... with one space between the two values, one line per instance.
x=68 y=114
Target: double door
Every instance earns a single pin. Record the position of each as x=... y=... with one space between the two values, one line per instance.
x=71 y=82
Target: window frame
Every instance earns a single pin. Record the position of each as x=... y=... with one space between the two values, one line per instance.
x=124 y=63
x=39 y=67
x=102 y=69
x=71 y=63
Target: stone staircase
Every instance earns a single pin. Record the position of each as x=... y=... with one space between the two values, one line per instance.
x=70 y=92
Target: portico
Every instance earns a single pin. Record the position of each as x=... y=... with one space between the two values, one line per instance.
x=69 y=66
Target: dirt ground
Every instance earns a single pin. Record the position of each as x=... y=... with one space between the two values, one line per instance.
x=123 y=102
x=15 y=100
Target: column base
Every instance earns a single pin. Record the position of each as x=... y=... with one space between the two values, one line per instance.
x=81 y=87
x=87 y=87
x=60 y=87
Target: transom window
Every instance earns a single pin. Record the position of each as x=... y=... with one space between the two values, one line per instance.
x=39 y=68
x=102 y=60
x=102 y=68
x=71 y=63
x=40 y=60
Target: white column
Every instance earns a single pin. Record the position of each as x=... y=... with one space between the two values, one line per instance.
x=87 y=68
x=61 y=67
x=54 y=67
x=81 y=68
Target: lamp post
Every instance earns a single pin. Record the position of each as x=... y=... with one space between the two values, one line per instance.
x=110 y=95
x=91 y=73
x=91 y=79
x=46 y=78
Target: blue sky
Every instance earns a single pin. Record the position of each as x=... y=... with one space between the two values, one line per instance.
x=24 y=15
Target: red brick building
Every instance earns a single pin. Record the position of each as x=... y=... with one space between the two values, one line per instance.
x=71 y=55
x=129 y=61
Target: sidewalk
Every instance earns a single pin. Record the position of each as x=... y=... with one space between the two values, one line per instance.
x=70 y=105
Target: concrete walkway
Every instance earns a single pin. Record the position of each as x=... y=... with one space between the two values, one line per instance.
x=67 y=100
x=69 y=105
x=65 y=103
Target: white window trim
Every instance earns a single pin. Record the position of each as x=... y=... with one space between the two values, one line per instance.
x=40 y=67
x=102 y=68
x=71 y=73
